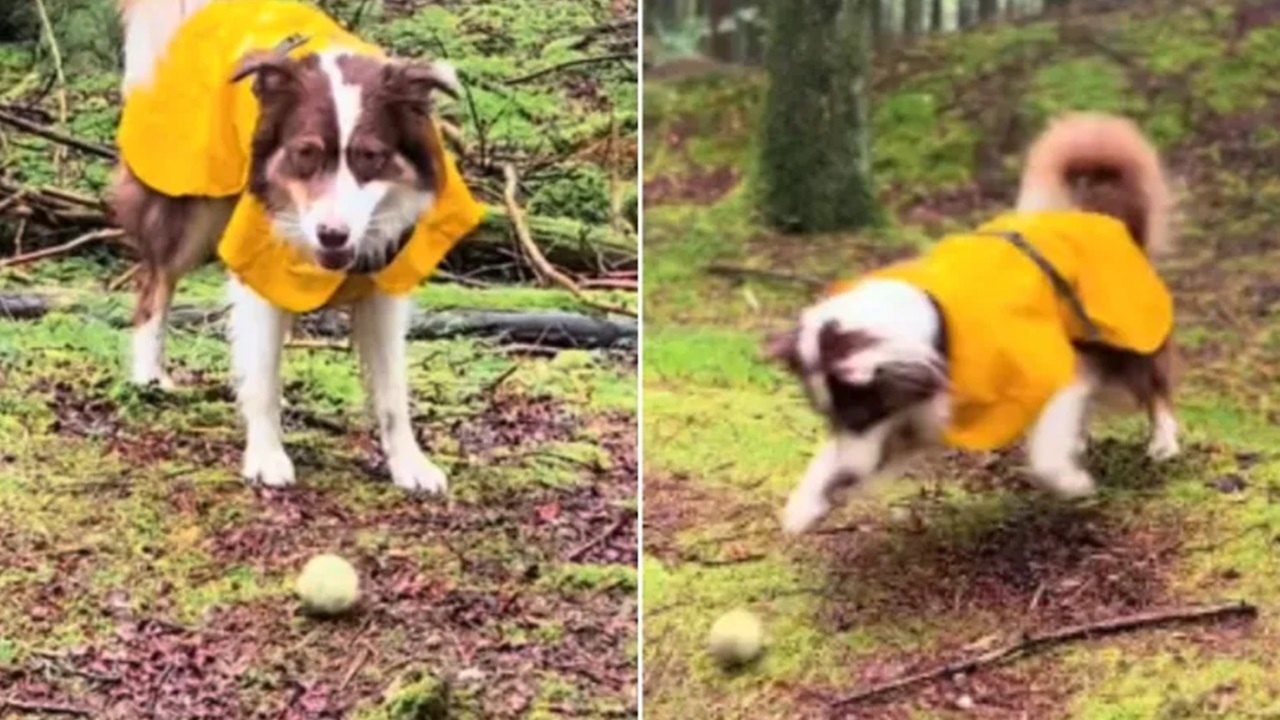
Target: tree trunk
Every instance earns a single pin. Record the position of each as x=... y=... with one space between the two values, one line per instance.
x=913 y=20
x=815 y=154
x=988 y=9
x=721 y=39
x=935 y=17
x=967 y=14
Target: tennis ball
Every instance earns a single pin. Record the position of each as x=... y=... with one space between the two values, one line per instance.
x=328 y=585
x=736 y=638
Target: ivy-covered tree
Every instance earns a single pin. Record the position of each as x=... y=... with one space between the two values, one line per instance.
x=815 y=164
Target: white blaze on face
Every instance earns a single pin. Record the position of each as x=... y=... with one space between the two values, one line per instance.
x=344 y=204
x=374 y=213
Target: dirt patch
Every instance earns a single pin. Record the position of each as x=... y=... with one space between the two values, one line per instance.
x=698 y=187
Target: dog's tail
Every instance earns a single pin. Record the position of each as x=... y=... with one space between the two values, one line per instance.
x=149 y=25
x=1100 y=163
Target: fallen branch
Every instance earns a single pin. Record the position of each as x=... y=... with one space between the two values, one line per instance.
x=90 y=237
x=545 y=329
x=568 y=64
x=565 y=242
x=62 y=138
x=544 y=268
x=1041 y=641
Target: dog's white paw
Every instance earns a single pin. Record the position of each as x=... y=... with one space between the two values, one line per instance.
x=412 y=471
x=1163 y=446
x=267 y=465
x=1072 y=484
x=803 y=511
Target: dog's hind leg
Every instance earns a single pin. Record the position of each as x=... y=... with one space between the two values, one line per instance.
x=151 y=312
x=1164 y=425
x=1055 y=438
x=379 y=326
x=257 y=332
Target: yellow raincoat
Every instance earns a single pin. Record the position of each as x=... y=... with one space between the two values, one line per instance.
x=189 y=130
x=1010 y=333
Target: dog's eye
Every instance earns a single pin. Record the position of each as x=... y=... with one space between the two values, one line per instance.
x=367 y=162
x=305 y=160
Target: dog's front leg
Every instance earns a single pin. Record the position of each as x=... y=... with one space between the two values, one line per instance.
x=379 y=325
x=845 y=459
x=257 y=340
x=1055 y=440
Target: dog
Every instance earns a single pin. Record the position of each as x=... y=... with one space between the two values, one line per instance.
x=1006 y=332
x=310 y=161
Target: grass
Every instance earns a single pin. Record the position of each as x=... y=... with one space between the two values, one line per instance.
x=963 y=553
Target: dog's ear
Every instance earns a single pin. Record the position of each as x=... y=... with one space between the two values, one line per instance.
x=906 y=383
x=784 y=348
x=413 y=84
x=272 y=73
x=273 y=70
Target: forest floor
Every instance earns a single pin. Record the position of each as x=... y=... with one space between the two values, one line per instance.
x=141 y=578
x=966 y=556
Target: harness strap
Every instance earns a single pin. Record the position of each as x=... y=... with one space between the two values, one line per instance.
x=1060 y=285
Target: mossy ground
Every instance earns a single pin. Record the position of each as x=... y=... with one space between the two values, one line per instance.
x=141 y=577
x=964 y=554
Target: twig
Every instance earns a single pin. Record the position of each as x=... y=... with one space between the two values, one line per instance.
x=586 y=547
x=493 y=385
x=56 y=52
x=568 y=64
x=462 y=280
x=1036 y=642
x=358 y=663
x=535 y=255
x=89 y=237
x=123 y=278
x=744 y=272
x=45 y=707
x=5 y=203
x=49 y=133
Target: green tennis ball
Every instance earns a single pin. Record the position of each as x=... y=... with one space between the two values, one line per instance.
x=736 y=638
x=328 y=585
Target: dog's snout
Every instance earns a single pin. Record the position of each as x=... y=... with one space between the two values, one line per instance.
x=332 y=236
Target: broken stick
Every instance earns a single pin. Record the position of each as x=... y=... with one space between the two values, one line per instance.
x=1033 y=642
x=544 y=268
x=89 y=237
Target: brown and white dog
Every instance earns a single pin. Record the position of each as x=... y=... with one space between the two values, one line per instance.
x=340 y=166
x=873 y=360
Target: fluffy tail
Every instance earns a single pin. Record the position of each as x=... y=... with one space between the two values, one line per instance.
x=149 y=25
x=1100 y=163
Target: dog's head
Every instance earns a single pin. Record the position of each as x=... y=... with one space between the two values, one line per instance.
x=341 y=156
x=866 y=355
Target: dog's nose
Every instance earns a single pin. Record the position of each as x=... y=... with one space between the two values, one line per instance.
x=332 y=236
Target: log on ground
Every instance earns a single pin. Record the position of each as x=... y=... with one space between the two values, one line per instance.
x=556 y=329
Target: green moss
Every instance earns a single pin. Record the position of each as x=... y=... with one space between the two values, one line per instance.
x=771 y=438
x=707 y=356
x=1179 y=685
x=424 y=698
x=1085 y=83
x=917 y=145
x=583 y=578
